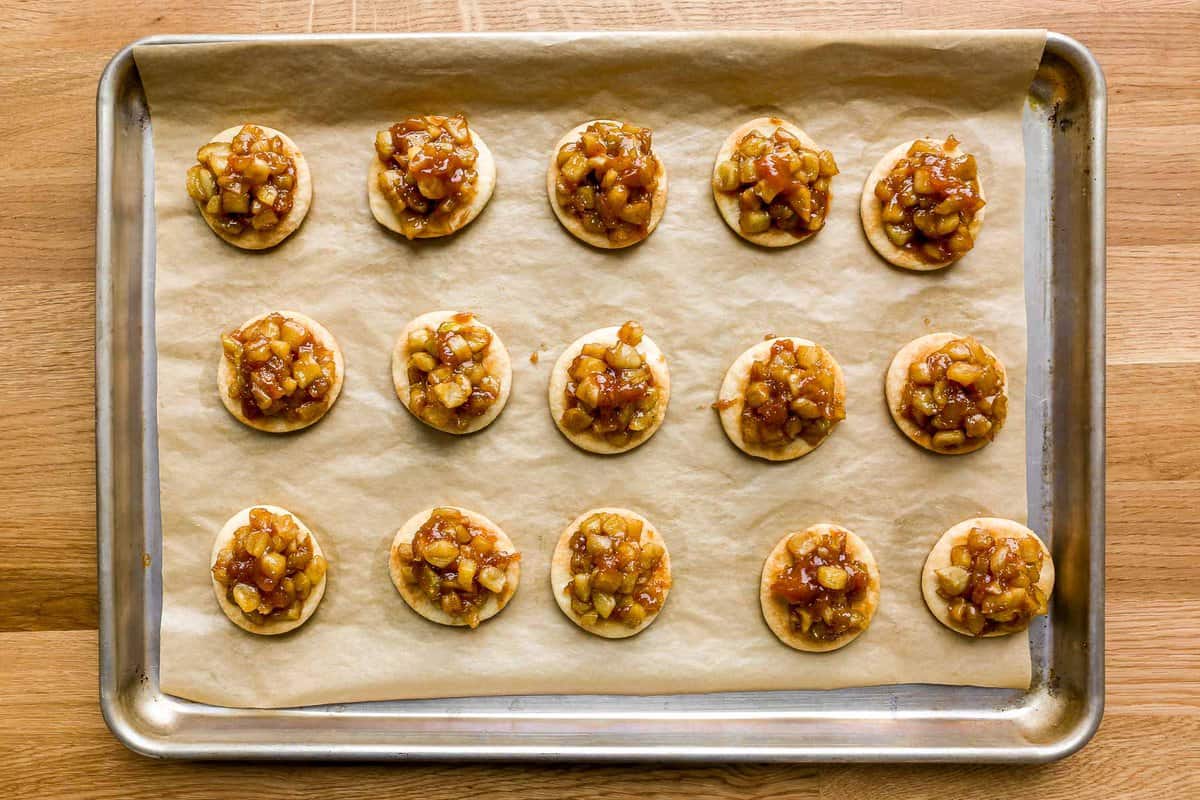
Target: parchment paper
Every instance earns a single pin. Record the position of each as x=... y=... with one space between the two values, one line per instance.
x=702 y=293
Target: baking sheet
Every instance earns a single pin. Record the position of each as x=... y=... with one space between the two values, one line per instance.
x=700 y=292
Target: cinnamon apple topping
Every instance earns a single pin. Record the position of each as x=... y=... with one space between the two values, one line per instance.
x=991 y=583
x=955 y=395
x=791 y=395
x=929 y=200
x=246 y=183
x=780 y=184
x=429 y=171
x=281 y=369
x=455 y=564
x=824 y=586
x=615 y=573
x=449 y=384
x=611 y=391
x=269 y=568
x=607 y=178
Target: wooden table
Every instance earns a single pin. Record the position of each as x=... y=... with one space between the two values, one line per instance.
x=52 y=739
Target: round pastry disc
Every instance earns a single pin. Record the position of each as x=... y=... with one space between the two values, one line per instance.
x=731 y=400
x=559 y=378
x=775 y=610
x=485 y=185
x=871 y=212
x=727 y=202
x=227 y=378
x=497 y=362
x=427 y=608
x=658 y=203
x=272 y=627
x=250 y=239
x=897 y=377
x=560 y=575
x=939 y=557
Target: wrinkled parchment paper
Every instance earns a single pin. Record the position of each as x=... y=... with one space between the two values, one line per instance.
x=701 y=293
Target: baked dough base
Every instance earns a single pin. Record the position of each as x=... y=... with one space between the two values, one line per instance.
x=227 y=378
x=727 y=203
x=430 y=610
x=497 y=362
x=939 y=557
x=270 y=627
x=733 y=392
x=250 y=239
x=485 y=184
x=658 y=202
x=897 y=377
x=559 y=378
x=872 y=216
x=775 y=611
x=560 y=575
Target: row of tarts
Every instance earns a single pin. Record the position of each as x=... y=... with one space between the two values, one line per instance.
x=922 y=206
x=609 y=390
x=611 y=573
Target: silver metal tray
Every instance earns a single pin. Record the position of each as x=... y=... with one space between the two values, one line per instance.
x=1064 y=127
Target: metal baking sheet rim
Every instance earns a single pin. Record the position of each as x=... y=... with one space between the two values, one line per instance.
x=147 y=721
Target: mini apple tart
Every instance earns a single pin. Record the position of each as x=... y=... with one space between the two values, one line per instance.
x=988 y=577
x=948 y=393
x=453 y=566
x=819 y=588
x=430 y=176
x=268 y=570
x=252 y=186
x=922 y=205
x=280 y=371
x=611 y=572
x=606 y=185
x=451 y=371
x=772 y=183
x=609 y=390
x=782 y=398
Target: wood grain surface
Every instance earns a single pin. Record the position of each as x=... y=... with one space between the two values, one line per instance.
x=53 y=742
